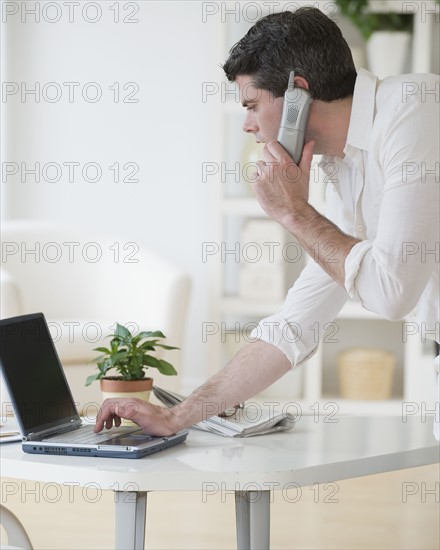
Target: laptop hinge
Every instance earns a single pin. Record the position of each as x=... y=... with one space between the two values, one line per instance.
x=37 y=436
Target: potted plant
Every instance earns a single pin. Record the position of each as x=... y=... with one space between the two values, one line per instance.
x=130 y=355
x=387 y=34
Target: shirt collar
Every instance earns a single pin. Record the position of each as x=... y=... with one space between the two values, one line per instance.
x=362 y=111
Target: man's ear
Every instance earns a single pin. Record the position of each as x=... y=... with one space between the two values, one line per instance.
x=301 y=82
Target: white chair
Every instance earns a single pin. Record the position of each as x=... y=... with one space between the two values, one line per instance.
x=15 y=532
x=84 y=282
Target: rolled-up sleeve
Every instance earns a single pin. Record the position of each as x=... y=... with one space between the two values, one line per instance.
x=311 y=304
x=388 y=275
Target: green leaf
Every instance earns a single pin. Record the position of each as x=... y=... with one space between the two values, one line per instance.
x=136 y=362
x=166 y=347
x=151 y=344
x=114 y=344
x=162 y=366
x=155 y=334
x=166 y=368
x=92 y=378
x=129 y=354
x=135 y=374
x=118 y=357
x=368 y=22
x=151 y=361
x=148 y=345
x=104 y=350
x=146 y=349
x=104 y=366
x=97 y=359
x=122 y=332
x=135 y=340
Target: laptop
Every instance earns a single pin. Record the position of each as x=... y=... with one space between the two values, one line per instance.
x=43 y=404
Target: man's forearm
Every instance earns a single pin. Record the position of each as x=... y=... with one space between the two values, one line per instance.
x=322 y=240
x=286 y=201
x=253 y=369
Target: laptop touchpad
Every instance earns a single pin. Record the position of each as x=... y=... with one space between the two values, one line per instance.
x=133 y=439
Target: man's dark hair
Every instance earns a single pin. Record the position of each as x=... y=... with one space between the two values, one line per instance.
x=306 y=41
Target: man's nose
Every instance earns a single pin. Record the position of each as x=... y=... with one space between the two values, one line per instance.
x=249 y=124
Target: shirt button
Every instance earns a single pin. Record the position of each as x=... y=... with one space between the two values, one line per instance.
x=359 y=228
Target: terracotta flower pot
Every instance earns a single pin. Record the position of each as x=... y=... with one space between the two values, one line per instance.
x=117 y=388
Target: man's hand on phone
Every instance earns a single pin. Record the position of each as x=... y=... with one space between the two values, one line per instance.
x=281 y=186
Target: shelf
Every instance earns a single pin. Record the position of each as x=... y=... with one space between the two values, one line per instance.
x=245 y=308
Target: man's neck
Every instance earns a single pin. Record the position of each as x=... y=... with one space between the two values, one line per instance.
x=328 y=126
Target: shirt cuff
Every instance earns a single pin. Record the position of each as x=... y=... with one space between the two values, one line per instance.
x=352 y=266
x=286 y=337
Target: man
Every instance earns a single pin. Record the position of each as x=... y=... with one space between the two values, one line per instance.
x=380 y=144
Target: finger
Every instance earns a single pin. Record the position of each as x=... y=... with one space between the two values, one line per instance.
x=105 y=415
x=109 y=422
x=98 y=426
x=307 y=155
x=267 y=155
x=276 y=150
x=101 y=417
x=115 y=416
x=259 y=169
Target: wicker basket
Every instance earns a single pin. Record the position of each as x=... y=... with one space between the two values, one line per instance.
x=366 y=373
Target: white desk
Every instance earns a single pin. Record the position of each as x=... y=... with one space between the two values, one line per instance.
x=314 y=452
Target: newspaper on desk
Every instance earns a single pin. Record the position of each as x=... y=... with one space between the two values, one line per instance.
x=242 y=424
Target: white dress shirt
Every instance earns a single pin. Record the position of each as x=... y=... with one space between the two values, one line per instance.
x=384 y=192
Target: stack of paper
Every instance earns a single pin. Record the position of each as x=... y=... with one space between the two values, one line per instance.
x=242 y=424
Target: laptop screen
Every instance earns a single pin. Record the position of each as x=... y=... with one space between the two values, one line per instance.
x=34 y=375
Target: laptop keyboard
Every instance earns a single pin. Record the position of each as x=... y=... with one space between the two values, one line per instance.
x=85 y=435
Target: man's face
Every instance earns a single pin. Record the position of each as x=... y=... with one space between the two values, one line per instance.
x=263 y=110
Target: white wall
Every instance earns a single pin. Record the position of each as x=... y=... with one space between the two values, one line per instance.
x=169 y=133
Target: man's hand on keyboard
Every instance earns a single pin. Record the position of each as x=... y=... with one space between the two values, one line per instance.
x=153 y=419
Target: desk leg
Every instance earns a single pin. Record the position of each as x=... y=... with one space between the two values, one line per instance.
x=252 y=512
x=131 y=508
